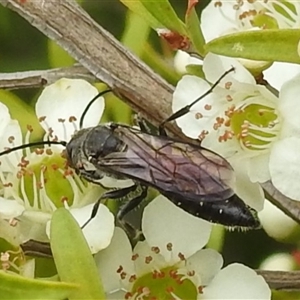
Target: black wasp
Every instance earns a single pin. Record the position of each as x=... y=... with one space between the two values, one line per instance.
x=194 y=178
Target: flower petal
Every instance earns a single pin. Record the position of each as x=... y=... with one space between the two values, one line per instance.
x=285 y=167
x=289 y=108
x=286 y=70
x=206 y=263
x=117 y=255
x=68 y=98
x=251 y=193
x=10 y=233
x=99 y=231
x=258 y=168
x=145 y=265
x=164 y=223
x=221 y=25
x=10 y=208
x=5 y=117
x=188 y=89
x=9 y=161
x=237 y=281
x=271 y=216
x=216 y=65
x=279 y=262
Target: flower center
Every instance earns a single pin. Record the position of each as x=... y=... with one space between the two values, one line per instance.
x=262 y=14
x=44 y=183
x=255 y=126
x=164 y=284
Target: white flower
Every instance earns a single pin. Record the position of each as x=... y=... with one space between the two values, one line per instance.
x=235 y=16
x=271 y=216
x=279 y=262
x=170 y=262
x=36 y=184
x=256 y=131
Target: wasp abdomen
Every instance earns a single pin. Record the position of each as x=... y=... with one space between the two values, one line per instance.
x=232 y=212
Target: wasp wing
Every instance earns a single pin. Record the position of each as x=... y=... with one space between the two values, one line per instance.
x=170 y=165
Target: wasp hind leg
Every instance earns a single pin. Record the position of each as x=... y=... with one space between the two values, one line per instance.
x=114 y=194
x=134 y=233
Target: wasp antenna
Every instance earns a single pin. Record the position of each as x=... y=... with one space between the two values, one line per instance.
x=63 y=143
x=232 y=69
x=181 y=112
x=89 y=105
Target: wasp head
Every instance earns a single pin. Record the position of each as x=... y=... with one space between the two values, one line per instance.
x=88 y=146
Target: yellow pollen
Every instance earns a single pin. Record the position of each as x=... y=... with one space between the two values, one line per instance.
x=41 y=119
x=148 y=259
x=123 y=275
x=132 y=278
x=11 y=139
x=120 y=269
x=202 y=135
x=198 y=116
x=134 y=257
x=169 y=246
x=229 y=98
x=181 y=256
x=155 y=249
x=228 y=85
x=72 y=119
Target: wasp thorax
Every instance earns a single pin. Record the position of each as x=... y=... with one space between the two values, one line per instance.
x=101 y=141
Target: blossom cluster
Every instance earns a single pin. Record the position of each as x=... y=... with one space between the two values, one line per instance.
x=255 y=129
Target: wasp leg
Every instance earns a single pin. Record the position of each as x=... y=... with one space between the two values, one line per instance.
x=114 y=194
x=126 y=208
x=181 y=112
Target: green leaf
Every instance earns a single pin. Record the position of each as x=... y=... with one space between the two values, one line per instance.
x=73 y=258
x=196 y=70
x=135 y=26
x=217 y=237
x=268 y=45
x=21 y=112
x=194 y=31
x=17 y=287
x=58 y=57
x=138 y=8
x=163 y=12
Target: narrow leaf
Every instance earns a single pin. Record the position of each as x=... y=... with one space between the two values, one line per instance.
x=194 y=30
x=138 y=8
x=135 y=26
x=163 y=12
x=17 y=287
x=268 y=45
x=73 y=258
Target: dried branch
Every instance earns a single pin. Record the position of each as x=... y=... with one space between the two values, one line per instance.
x=100 y=53
x=280 y=280
x=288 y=206
x=104 y=57
x=39 y=78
